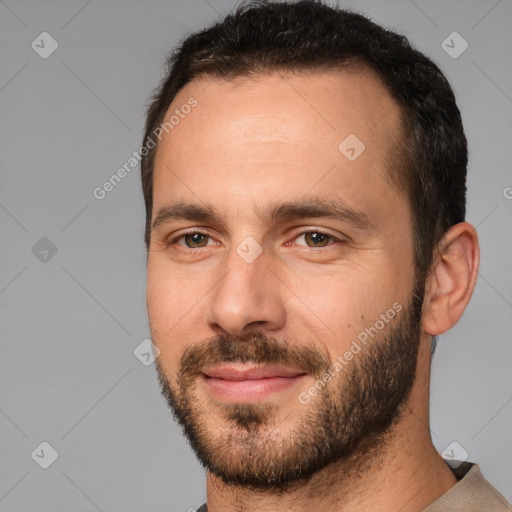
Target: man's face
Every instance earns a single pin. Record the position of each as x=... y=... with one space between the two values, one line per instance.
x=251 y=306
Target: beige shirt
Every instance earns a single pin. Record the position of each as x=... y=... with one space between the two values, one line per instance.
x=472 y=493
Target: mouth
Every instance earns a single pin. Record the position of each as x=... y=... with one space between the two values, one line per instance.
x=249 y=383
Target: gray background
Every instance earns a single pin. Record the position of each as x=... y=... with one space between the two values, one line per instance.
x=70 y=321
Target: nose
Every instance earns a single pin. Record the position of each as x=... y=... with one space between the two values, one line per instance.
x=248 y=295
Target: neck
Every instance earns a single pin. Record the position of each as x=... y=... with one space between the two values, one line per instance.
x=403 y=471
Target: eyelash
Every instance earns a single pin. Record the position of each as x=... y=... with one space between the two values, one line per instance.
x=333 y=238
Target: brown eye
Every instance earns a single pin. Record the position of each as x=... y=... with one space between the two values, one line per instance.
x=196 y=240
x=192 y=240
x=315 y=239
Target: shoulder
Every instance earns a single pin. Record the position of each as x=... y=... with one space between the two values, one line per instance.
x=472 y=493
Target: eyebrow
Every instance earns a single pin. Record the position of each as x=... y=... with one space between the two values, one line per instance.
x=275 y=212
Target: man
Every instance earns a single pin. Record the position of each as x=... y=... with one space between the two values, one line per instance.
x=304 y=182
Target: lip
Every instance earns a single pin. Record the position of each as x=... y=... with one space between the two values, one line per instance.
x=243 y=372
x=243 y=383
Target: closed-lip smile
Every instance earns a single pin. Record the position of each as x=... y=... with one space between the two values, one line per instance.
x=248 y=383
x=242 y=372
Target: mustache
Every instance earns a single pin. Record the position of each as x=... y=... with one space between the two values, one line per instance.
x=252 y=348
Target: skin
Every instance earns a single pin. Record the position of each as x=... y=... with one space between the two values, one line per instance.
x=272 y=139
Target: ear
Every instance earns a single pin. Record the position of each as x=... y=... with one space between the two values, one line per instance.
x=452 y=279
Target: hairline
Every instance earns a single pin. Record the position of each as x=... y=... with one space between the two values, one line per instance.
x=396 y=163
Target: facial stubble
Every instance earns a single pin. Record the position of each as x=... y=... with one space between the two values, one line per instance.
x=248 y=445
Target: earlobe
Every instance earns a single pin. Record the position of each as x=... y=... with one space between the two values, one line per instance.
x=452 y=279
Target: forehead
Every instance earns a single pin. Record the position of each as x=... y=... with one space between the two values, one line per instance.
x=279 y=135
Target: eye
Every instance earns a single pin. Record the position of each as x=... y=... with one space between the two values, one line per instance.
x=312 y=238
x=192 y=240
x=316 y=238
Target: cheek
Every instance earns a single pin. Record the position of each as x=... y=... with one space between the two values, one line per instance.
x=175 y=300
x=159 y=295
x=169 y=294
x=343 y=303
x=340 y=302
x=167 y=303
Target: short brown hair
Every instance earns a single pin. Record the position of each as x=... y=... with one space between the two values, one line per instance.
x=268 y=36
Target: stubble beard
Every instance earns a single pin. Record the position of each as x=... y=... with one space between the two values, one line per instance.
x=248 y=445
